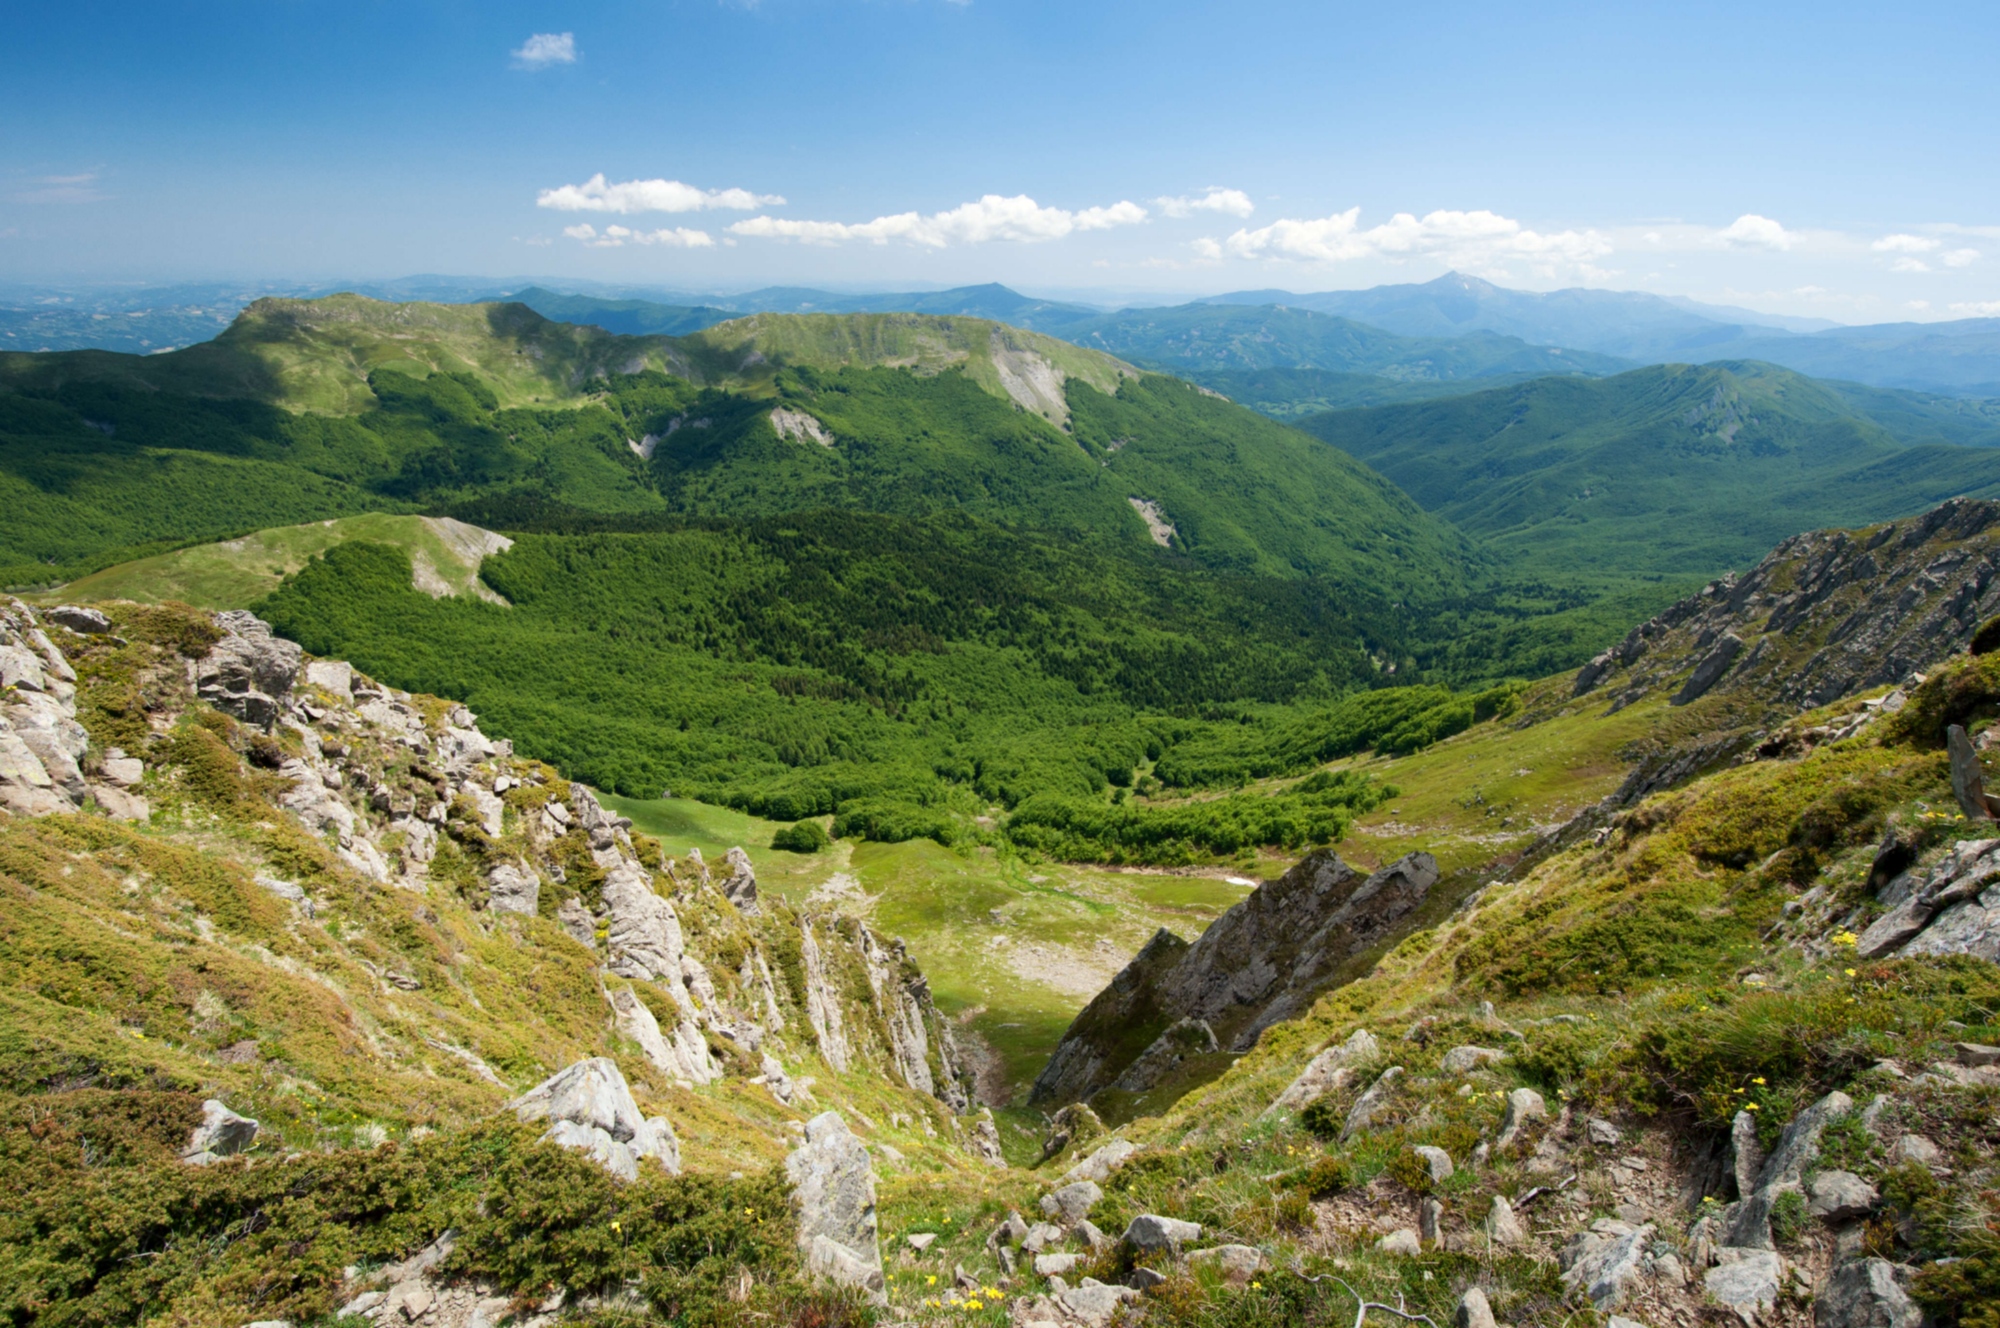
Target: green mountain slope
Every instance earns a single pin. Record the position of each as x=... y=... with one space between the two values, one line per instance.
x=1667 y=469
x=309 y=410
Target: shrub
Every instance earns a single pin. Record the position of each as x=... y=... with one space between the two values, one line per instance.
x=1323 y=1118
x=1328 y=1176
x=1789 y=1218
x=805 y=837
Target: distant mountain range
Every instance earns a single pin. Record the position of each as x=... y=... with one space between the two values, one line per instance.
x=1401 y=341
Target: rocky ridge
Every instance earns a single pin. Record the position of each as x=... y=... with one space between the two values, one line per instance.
x=1825 y=615
x=705 y=980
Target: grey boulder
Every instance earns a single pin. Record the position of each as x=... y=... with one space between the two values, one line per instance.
x=1072 y=1203
x=1236 y=1263
x=1606 y=1260
x=1867 y=1293
x=833 y=1191
x=1523 y=1105
x=1839 y=1196
x=221 y=1134
x=1464 y=1060
x=1149 y=1233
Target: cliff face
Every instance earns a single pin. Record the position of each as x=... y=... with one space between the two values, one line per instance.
x=424 y=855
x=1263 y=961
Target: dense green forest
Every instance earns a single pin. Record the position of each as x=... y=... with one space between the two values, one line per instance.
x=910 y=676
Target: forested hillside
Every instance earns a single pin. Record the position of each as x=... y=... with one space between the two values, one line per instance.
x=1667 y=469
x=317 y=409
x=908 y=677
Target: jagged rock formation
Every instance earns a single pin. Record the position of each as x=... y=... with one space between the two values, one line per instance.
x=1265 y=960
x=41 y=744
x=249 y=671
x=411 y=794
x=1826 y=614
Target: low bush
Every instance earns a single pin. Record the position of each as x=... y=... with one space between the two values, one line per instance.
x=804 y=837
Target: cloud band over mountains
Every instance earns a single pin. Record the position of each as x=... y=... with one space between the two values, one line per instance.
x=992 y=217
x=1477 y=240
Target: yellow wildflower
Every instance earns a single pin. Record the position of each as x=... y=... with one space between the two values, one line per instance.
x=1850 y=972
x=1751 y=1106
x=1759 y=1081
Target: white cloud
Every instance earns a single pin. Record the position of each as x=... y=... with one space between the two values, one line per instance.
x=545 y=49
x=616 y=237
x=1208 y=249
x=1214 y=199
x=596 y=195
x=1904 y=244
x=1756 y=232
x=78 y=188
x=1461 y=239
x=1019 y=219
x=1978 y=309
x=1908 y=264
x=1961 y=258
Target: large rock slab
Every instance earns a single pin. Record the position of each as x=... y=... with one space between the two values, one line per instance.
x=1106 y=1159
x=833 y=1193
x=1746 y=1282
x=589 y=1107
x=222 y=1133
x=1327 y=1071
x=1867 y=1293
x=1265 y=960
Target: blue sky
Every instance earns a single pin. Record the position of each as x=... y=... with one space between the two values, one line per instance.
x=1824 y=158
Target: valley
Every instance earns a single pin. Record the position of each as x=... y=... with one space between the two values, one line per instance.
x=797 y=713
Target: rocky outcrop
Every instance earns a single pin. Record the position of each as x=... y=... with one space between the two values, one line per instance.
x=1748 y=1222
x=739 y=886
x=222 y=1133
x=390 y=780
x=1950 y=907
x=589 y=1107
x=1327 y=1072
x=249 y=672
x=833 y=1193
x=1826 y=614
x=1265 y=960
x=42 y=746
